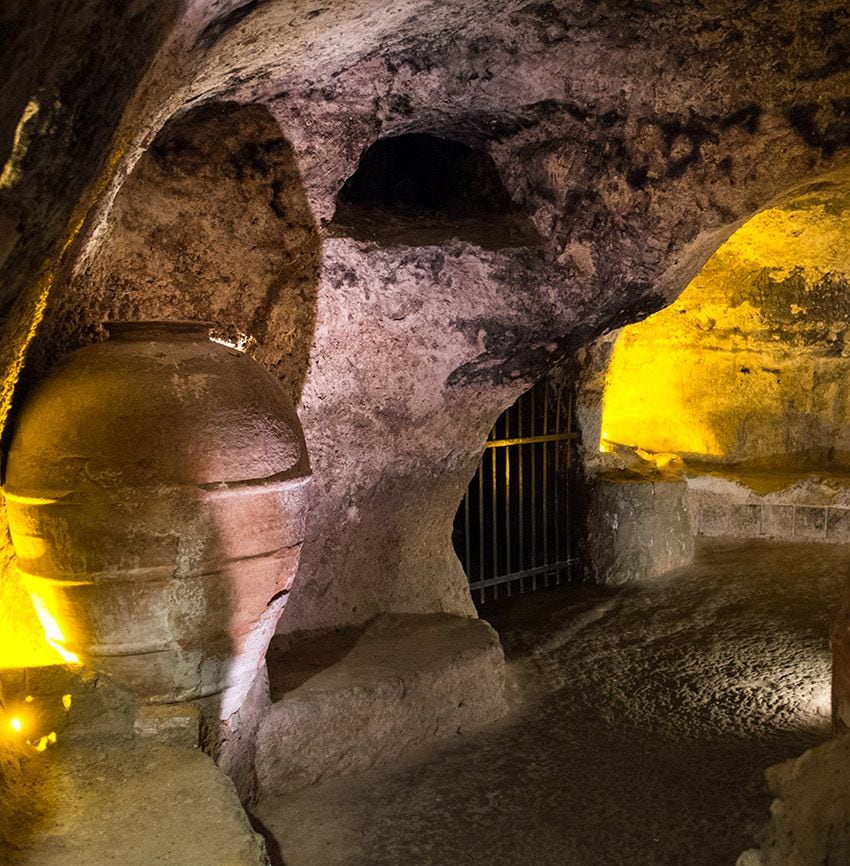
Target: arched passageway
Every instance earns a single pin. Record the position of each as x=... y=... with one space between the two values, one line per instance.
x=751 y=364
x=730 y=406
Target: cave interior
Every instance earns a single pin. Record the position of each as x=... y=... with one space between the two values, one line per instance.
x=359 y=358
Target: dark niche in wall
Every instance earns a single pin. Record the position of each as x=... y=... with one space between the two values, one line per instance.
x=419 y=189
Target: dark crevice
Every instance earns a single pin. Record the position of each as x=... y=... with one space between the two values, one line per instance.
x=219 y=26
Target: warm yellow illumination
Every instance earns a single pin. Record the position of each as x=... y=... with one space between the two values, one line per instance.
x=11 y=173
x=43 y=742
x=656 y=399
x=749 y=362
x=22 y=639
x=66 y=702
x=52 y=631
x=25 y=721
x=22 y=642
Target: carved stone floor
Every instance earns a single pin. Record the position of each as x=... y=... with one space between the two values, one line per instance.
x=643 y=720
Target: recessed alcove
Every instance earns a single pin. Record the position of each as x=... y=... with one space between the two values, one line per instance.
x=421 y=189
x=725 y=414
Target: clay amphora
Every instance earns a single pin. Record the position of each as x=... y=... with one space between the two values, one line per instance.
x=157 y=489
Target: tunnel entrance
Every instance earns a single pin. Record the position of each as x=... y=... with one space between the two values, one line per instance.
x=749 y=366
x=515 y=529
x=419 y=189
x=725 y=414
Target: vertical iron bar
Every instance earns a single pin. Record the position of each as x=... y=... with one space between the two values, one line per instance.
x=507 y=513
x=568 y=485
x=557 y=498
x=546 y=487
x=533 y=425
x=494 y=516
x=481 y=525
x=520 y=493
x=467 y=553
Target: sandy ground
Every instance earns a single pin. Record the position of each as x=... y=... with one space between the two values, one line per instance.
x=644 y=719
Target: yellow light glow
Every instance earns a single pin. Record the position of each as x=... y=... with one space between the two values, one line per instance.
x=22 y=639
x=43 y=742
x=22 y=643
x=655 y=398
x=52 y=631
x=66 y=702
x=718 y=373
x=16 y=724
x=11 y=173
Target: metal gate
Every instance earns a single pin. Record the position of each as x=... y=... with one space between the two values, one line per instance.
x=512 y=529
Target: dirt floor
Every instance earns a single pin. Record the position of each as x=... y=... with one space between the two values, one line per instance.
x=644 y=718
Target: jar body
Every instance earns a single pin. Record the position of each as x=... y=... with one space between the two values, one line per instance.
x=157 y=493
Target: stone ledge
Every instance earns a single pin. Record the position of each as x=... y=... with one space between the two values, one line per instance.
x=823 y=523
x=133 y=804
x=795 y=506
x=405 y=681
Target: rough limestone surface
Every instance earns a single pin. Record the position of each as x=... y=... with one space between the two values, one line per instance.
x=635 y=137
x=749 y=364
x=810 y=817
x=169 y=724
x=116 y=782
x=134 y=805
x=405 y=681
x=637 y=528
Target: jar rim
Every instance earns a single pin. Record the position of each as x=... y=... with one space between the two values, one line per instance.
x=147 y=328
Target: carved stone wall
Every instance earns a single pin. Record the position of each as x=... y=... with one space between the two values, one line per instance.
x=634 y=137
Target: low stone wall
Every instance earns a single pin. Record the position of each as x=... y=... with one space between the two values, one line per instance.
x=638 y=527
x=802 y=509
x=405 y=681
x=641 y=525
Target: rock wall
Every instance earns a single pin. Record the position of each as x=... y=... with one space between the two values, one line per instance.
x=635 y=138
x=809 y=817
x=637 y=527
x=751 y=362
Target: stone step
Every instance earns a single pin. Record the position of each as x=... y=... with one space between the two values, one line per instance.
x=404 y=681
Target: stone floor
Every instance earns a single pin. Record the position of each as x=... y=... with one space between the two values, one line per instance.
x=131 y=804
x=644 y=718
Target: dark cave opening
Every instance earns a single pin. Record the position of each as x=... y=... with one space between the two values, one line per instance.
x=420 y=189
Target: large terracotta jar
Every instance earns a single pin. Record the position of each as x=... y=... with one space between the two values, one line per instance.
x=157 y=489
